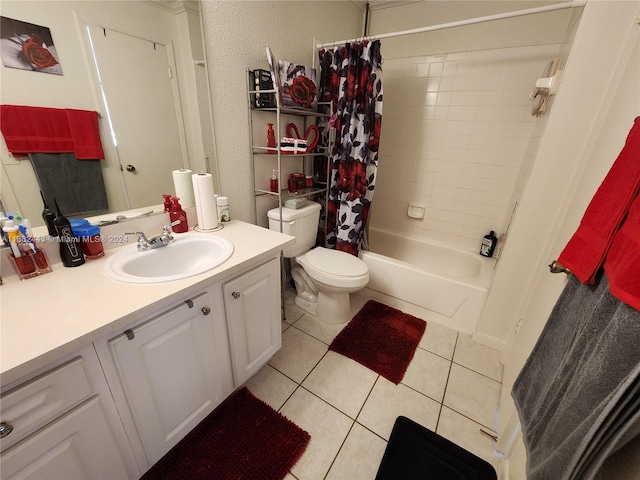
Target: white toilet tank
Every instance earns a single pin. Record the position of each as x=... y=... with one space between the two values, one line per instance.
x=301 y=223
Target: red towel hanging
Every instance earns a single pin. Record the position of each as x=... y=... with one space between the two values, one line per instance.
x=610 y=228
x=51 y=130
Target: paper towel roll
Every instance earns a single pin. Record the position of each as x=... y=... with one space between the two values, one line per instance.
x=206 y=209
x=184 y=187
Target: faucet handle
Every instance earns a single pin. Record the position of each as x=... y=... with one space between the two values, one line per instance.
x=143 y=242
x=166 y=229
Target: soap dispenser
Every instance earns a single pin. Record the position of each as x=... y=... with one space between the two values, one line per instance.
x=167 y=202
x=177 y=213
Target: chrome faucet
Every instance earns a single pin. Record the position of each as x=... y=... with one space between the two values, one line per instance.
x=165 y=238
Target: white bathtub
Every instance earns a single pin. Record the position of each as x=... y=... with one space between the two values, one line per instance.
x=439 y=283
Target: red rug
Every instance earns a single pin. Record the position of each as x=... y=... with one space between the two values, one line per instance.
x=382 y=339
x=242 y=439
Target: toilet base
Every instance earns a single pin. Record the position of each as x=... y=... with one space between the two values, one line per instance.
x=332 y=308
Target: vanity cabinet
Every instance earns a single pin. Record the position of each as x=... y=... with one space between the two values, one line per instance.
x=253 y=318
x=171 y=371
x=63 y=424
x=168 y=371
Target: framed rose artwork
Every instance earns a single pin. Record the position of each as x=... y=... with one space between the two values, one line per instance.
x=298 y=86
x=28 y=47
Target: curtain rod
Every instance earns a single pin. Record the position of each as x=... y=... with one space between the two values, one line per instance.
x=460 y=23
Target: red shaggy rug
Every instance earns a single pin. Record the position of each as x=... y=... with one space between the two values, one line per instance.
x=242 y=439
x=381 y=338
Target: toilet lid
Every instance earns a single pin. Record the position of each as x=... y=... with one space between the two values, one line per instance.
x=335 y=262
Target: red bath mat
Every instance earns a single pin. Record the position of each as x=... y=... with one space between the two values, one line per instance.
x=381 y=338
x=242 y=439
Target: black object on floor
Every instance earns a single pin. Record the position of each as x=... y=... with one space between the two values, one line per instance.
x=416 y=453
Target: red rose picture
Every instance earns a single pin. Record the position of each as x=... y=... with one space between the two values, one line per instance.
x=298 y=86
x=28 y=47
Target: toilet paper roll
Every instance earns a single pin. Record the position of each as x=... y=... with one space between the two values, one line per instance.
x=205 y=200
x=184 y=187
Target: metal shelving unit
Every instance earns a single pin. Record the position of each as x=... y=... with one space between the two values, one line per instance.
x=262 y=153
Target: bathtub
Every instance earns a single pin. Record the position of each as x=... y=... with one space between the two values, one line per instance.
x=435 y=282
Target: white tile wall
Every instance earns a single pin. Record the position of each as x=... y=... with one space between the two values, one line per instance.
x=457 y=137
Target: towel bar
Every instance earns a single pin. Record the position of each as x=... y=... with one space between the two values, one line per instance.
x=557 y=267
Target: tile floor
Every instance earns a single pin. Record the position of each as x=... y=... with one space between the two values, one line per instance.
x=452 y=387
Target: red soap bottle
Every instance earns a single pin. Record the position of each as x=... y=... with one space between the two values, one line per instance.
x=271 y=138
x=177 y=213
x=167 y=202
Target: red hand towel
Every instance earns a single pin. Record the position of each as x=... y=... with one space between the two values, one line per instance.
x=85 y=133
x=586 y=250
x=51 y=130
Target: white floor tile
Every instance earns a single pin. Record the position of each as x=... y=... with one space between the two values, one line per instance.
x=439 y=340
x=327 y=426
x=466 y=433
x=271 y=386
x=342 y=382
x=298 y=355
x=473 y=395
x=428 y=374
x=359 y=457
x=387 y=401
x=291 y=310
x=323 y=331
x=478 y=357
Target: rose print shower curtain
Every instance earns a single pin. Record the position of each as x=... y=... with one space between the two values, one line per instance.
x=351 y=79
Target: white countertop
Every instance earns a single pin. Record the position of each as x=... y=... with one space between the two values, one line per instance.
x=46 y=317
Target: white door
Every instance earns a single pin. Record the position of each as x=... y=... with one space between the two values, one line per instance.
x=137 y=78
x=78 y=445
x=252 y=305
x=169 y=370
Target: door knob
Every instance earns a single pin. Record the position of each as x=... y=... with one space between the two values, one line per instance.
x=131 y=168
x=5 y=429
x=205 y=310
x=236 y=295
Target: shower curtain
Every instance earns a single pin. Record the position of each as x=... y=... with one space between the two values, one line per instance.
x=351 y=79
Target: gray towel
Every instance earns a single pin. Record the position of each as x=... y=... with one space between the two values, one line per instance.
x=578 y=395
x=77 y=185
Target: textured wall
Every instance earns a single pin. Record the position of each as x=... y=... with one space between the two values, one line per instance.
x=235 y=37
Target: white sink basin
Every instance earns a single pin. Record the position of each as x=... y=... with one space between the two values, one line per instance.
x=190 y=254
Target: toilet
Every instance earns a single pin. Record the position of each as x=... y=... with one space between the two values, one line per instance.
x=324 y=278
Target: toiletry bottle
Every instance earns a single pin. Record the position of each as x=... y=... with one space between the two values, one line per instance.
x=488 y=244
x=223 y=209
x=271 y=138
x=70 y=252
x=177 y=213
x=48 y=216
x=167 y=202
x=13 y=236
x=3 y=219
x=273 y=184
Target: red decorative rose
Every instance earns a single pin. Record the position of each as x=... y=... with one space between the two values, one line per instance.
x=302 y=91
x=36 y=53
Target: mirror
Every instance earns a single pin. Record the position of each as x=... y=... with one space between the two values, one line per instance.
x=169 y=30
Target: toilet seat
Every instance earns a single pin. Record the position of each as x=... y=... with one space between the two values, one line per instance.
x=335 y=268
